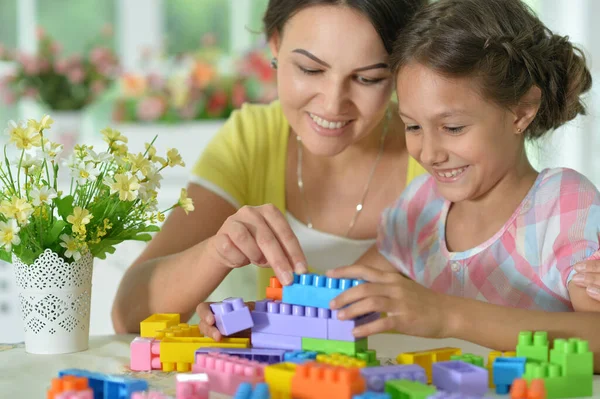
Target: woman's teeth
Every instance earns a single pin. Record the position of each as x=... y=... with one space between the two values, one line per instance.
x=327 y=124
x=451 y=173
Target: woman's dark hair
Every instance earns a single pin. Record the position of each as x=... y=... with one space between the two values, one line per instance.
x=507 y=48
x=387 y=16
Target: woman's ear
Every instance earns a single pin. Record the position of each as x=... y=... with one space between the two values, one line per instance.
x=527 y=108
x=274 y=42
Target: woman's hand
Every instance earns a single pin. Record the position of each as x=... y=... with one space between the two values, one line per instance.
x=207 y=322
x=588 y=277
x=260 y=235
x=411 y=308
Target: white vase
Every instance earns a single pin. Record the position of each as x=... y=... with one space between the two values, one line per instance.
x=55 y=299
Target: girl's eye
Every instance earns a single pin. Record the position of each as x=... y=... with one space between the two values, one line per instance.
x=454 y=129
x=368 y=82
x=412 y=128
x=309 y=71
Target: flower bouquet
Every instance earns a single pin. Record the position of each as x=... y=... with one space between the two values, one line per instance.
x=52 y=235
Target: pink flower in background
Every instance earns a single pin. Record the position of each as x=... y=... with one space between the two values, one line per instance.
x=238 y=95
x=43 y=65
x=151 y=108
x=76 y=75
x=29 y=64
x=209 y=40
x=189 y=111
x=40 y=33
x=61 y=66
x=8 y=97
x=55 y=48
x=155 y=82
x=98 y=87
x=31 y=92
x=100 y=55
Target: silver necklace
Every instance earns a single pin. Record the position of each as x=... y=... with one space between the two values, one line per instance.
x=360 y=205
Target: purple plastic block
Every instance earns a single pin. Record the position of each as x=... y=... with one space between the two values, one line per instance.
x=341 y=330
x=231 y=316
x=274 y=317
x=261 y=355
x=375 y=377
x=461 y=377
x=274 y=341
x=454 y=395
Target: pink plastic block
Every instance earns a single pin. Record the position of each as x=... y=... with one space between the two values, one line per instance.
x=272 y=317
x=275 y=341
x=85 y=394
x=149 y=395
x=341 y=330
x=225 y=373
x=145 y=354
x=192 y=386
x=231 y=316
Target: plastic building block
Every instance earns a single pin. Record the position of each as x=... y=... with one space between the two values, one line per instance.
x=261 y=355
x=426 y=359
x=372 y=395
x=300 y=356
x=341 y=330
x=192 y=386
x=573 y=356
x=178 y=353
x=145 y=354
x=557 y=385
x=275 y=290
x=490 y=363
x=337 y=359
x=333 y=346
x=369 y=356
x=225 y=373
x=469 y=358
x=453 y=395
x=533 y=346
x=318 y=380
x=156 y=322
x=107 y=386
x=245 y=391
x=179 y=330
x=315 y=290
x=68 y=387
x=376 y=377
x=285 y=319
x=275 y=341
x=458 y=376
x=279 y=378
x=405 y=389
x=150 y=395
x=535 y=390
x=506 y=370
x=232 y=316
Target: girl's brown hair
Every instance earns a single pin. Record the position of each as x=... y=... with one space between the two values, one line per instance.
x=507 y=48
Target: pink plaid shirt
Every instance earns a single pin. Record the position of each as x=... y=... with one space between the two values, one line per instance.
x=526 y=264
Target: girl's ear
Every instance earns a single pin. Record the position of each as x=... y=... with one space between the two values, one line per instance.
x=274 y=42
x=527 y=108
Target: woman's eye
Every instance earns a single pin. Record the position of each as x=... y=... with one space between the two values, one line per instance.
x=412 y=128
x=367 y=81
x=454 y=129
x=310 y=71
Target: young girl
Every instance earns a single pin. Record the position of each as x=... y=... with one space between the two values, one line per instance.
x=488 y=244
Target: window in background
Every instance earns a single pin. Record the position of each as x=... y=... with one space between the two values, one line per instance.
x=8 y=23
x=77 y=24
x=188 y=22
x=255 y=25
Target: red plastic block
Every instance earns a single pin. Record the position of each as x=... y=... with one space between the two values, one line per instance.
x=274 y=290
x=225 y=373
x=319 y=380
x=145 y=354
x=70 y=387
x=232 y=316
x=192 y=386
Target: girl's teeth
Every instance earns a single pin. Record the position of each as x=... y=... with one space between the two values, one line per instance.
x=453 y=173
x=327 y=124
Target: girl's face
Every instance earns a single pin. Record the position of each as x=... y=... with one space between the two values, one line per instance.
x=467 y=143
x=333 y=77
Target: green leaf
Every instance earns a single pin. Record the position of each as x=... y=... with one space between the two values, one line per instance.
x=5 y=256
x=151 y=229
x=64 y=206
x=53 y=235
x=142 y=237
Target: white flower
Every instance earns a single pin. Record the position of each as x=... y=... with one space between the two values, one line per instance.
x=71 y=245
x=102 y=157
x=85 y=172
x=9 y=234
x=154 y=178
x=52 y=150
x=72 y=162
x=43 y=195
x=12 y=125
x=146 y=192
x=29 y=161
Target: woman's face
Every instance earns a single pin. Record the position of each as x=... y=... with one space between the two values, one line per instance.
x=333 y=77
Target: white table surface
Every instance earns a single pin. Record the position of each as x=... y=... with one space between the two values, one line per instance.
x=23 y=375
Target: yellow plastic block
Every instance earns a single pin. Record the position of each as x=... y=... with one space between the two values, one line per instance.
x=426 y=359
x=490 y=363
x=158 y=321
x=178 y=353
x=279 y=379
x=338 y=359
x=180 y=330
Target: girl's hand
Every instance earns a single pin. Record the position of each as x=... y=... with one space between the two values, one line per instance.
x=411 y=308
x=588 y=277
x=207 y=322
x=260 y=235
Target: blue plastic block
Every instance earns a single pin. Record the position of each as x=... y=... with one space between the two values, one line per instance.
x=372 y=395
x=300 y=357
x=506 y=370
x=261 y=391
x=315 y=290
x=261 y=355
x=107 y=386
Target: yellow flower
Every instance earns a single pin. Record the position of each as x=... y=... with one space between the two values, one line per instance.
x=161 y=216
x=160 y=160
x=25 y=137
x=184 y=202
x=150 y=150
x=119 y=149
x=126 y=185
x=174 y=158
x=9 y=234
x=72 y=247
x=79 y=218
x=43 y=124
x=111 y=136
x=16 y=208
x=139 y=162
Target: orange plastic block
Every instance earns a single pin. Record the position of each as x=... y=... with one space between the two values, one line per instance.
x=77 y=385
x=279 y=379
x=318 y=380
x=490 y=363
x=536 y=389
x=158 y=321
x=274 y=290
x=177 y=353
x=426 y=359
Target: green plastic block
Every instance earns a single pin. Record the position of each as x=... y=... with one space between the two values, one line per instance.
x=329 y=346
x=533 y=346
x=573 y=356
x=469 y=358
x=370 y=357
x=405 y=389
x=559 y=386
